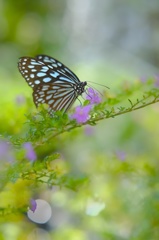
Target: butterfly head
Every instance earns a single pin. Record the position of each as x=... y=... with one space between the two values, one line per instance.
x=80 y=88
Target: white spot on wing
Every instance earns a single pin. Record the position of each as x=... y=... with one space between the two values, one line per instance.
x=50 y=102
x=37 y=81
x=54 y=74
x=51 y=91
x=41 y=74
x=50 y=66
x=33 y=70
x=49 y=96
x=35 y=63
x=46 y=60
x=66 y=79
x=52 y=60
x=59 y=64
x=32 y=75
x=44 y=69
x=45 y=88
x=47 y=79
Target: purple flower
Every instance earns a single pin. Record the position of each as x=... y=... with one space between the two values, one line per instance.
x=20 y=99
x=81 y=114
x=121 y=155
x=89 y=130
x=33 y=205
x=143 y=79
x=93 y=96
x=6 y=153
x=156 y=83
x=30 y=154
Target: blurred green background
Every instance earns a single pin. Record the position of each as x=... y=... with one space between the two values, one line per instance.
x=108 y=42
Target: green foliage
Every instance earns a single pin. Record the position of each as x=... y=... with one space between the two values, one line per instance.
x=129 y=184
x=100 y=177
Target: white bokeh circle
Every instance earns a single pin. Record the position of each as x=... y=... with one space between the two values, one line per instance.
x=42 y=213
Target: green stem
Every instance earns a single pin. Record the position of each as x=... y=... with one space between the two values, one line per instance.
x=131 y=109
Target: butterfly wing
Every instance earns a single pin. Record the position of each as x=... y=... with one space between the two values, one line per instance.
x=65 y=73
x=56 y=96
x=52 y=82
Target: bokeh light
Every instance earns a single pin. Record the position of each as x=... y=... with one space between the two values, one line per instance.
x=42 y=213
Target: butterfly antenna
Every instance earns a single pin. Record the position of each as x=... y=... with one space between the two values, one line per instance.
x=89 y=85
x=99 y=84
x=87 y=94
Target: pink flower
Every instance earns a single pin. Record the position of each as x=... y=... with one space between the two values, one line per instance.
x=33 y=205
x=81 y=114
x=93 y=96
x=30 y=154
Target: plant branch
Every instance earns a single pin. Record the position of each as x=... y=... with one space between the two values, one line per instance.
x=108 y=114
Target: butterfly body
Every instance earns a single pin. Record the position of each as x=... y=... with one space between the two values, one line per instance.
x=52 y=82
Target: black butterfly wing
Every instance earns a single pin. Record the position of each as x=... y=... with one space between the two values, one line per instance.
x=29 y=68
x=56 y=96
x=52 y=82
x=64 y=72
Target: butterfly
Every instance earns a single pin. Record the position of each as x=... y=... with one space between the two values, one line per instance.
x=52 y=82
